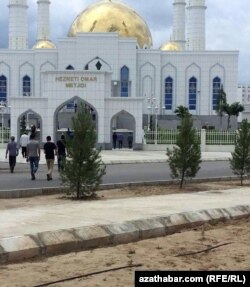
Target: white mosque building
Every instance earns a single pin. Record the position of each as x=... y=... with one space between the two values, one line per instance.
x=107 y=62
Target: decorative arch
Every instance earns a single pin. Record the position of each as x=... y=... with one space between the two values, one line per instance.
x=147 y=85
x=193 y=70
x=217 y=70
x=70 y=67
x=121 y=112
x=147 y=69
x=98 y=63
x=39 y=123
x=26 y=64
x=76 y=100
x=123 y=122
x=146 y=64
x=5 y=68
x=46 y=67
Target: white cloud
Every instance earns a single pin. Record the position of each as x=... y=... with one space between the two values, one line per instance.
x=227 y=26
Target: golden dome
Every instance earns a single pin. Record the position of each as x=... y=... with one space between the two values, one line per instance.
x=44 y=44
x=171 y=46
x=112 y=16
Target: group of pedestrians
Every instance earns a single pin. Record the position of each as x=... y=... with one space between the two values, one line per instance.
x=30 y=148
x=120 y=138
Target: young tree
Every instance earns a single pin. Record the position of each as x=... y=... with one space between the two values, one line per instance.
x=221 y=103
x=184 y=160
x=240 y=162
x=83 y=168
x=181 y=111
x=232 y=110
x=22 y=125
x=237 y=108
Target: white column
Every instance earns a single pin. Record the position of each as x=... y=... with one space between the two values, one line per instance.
x=18 y=24
x=179 y=22
x=43 y=20
x=196 y=26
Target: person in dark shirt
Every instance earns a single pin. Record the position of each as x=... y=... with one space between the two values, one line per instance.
x=120 y=140
x=33 y=155
x=12 y=149
x=61 y=152
x=130 y=140
x=114 y=140
x=50 y=151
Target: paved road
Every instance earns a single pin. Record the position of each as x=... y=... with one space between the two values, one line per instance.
x=117 y=173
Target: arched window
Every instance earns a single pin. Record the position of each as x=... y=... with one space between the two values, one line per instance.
x=70 y=67
x=216 y=91
x=3 y=88
x=124 y=81
x=168 y=93
x=26 y=86
x=192 y=94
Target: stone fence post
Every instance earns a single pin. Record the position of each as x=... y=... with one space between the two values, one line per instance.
x=203 y=140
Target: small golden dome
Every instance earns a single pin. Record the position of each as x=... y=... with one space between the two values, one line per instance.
x=44 y=44
x=171 y=46
x=112 y=16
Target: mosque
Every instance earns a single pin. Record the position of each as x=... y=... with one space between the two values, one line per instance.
x=108 y=63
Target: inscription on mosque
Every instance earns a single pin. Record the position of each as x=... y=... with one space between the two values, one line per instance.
x=76 y=81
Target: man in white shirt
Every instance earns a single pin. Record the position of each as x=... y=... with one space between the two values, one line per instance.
x=24 y=140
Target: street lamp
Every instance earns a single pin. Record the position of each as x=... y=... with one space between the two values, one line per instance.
x=153 y=108
x=2 y=109
x=156 y=123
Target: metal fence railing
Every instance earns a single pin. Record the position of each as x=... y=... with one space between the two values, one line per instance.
x=4 y=135
x=161 y=137
x=211 y=137
x=164 y=137
x=220 y=137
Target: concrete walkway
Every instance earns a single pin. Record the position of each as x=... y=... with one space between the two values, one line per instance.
x=130 y=156
x=72 y=214
x=50 y=229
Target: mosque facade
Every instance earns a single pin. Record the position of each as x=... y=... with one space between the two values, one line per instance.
x=108 y=63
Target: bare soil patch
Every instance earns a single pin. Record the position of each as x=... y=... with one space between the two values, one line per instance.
x=159 y=253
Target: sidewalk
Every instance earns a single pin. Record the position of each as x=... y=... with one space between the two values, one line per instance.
x=50 y=229
x=130 y=156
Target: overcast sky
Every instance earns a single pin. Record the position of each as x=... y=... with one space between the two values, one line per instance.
x=227 y=24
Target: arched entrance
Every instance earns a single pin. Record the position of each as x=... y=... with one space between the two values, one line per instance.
x=26 y=121
x=123 y=123
x=65 y=112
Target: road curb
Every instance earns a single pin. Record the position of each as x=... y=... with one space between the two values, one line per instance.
x=124 y=161
x=45 y=244
x=31 y=192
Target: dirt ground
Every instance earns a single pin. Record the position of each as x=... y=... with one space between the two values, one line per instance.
x=159 y=253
